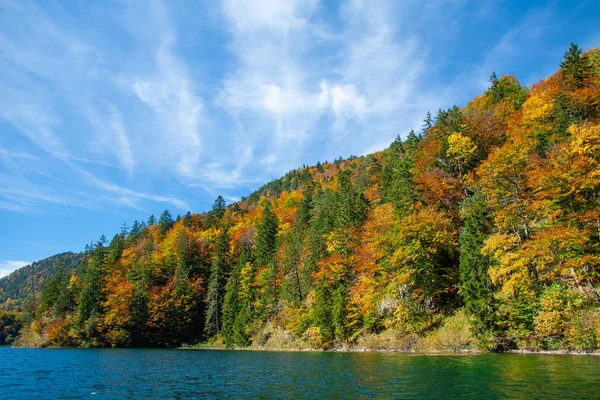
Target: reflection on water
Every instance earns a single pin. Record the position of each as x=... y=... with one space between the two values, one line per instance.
x=146 y=373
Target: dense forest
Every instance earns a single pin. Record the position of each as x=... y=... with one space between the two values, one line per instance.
x=482 y=230
x=27 y=282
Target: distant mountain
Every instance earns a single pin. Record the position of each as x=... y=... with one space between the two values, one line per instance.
x=30 y=279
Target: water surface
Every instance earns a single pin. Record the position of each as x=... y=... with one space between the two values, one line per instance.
x=150 y=373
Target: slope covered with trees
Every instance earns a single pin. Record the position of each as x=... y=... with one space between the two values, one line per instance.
x=29 y=280
x=483 y=228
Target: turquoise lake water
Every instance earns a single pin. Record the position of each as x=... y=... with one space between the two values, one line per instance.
x=149 y=373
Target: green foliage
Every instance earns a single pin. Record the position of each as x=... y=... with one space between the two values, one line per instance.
x=396 y=175
x=475 y=284
x=231 y=306
x=508 y=89
x=216 y=286
x=165 y=221
x=575 y=68
x=265 y=247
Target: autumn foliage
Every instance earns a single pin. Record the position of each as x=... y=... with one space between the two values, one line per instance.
x=493 y=210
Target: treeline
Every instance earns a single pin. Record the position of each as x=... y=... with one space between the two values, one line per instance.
x=492 y=212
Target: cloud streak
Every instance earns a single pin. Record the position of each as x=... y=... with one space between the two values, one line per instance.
x=9 y=266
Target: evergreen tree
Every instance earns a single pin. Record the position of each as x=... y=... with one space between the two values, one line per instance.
x=396 y=176
x=322 y=312
x=231 y=306
x=165 y=221
x=187 y=219
x=124 y=230
x=575 y=68
x=265 y=250
x=216 y=285
x=217 y=212
x=141 y=278
x=151 y=220
x=92 y=293
x=266 y=237
x=136 y=229
x=427 y=123
x=475 y=284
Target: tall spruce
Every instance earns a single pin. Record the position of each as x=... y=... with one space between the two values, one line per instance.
x=216 y=285
x=575 y=68
x=475 y=284
x=165 y=221
x=231 y=304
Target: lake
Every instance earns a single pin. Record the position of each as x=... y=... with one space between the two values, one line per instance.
x=153 y=373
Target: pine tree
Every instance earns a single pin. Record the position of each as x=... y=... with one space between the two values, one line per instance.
x=218 y=211
x=322 y=312
x=475 y=284
x=135 y=228
x=216 y=285
x=124 y=230
x=187 y=219
x=575 y=68
x=231 y=306
x=427 y=123
x=165 y=221
x=266 y=237
x=151 y=220
x=92 y=294
x=396 y=176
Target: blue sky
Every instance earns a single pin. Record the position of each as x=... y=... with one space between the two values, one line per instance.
x=114 y=110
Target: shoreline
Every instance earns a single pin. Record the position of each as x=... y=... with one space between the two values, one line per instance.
x=465 y=352
x=462 y=352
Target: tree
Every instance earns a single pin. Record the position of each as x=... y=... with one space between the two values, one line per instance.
x=266 y=237
x=136 y=229
x=217 y=212
x=397 y=176
x=475 y=285
x=575 y=68
x=216 y=285
x=187 y=219
x=165 y=221
x=151 y=220
x=231 y=305
x=427 y=123
x=124 y=230
x=92 y=293
x=265 y=250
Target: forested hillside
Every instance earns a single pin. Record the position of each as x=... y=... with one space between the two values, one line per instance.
x=481 y=230
x=29 y=280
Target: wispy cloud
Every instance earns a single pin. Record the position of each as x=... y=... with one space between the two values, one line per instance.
x=9 y=266
x=286 y=92
x=132 y=197
x=14 y=154
x=126 y=107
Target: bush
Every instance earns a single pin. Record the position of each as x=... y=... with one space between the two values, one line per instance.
x=454 y=335
x=559 y=322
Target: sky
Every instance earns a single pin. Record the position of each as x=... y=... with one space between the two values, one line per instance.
x=114 y=110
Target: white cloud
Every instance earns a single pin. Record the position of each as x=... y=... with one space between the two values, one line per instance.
x=343 y=101
x=296 y=79
x=8 y=266
x=281 y=15
x=132 y=197
x=169 y=92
